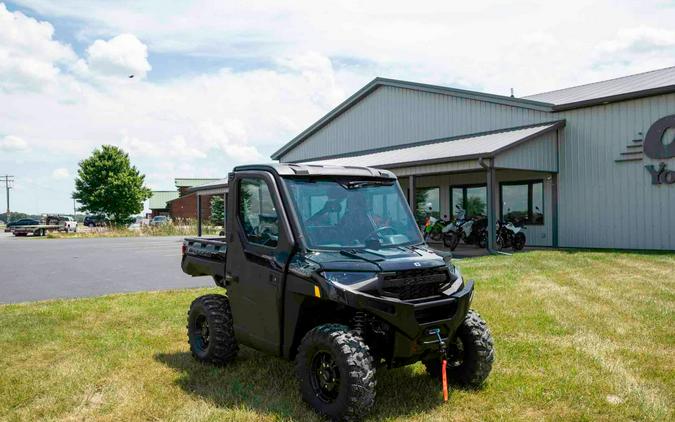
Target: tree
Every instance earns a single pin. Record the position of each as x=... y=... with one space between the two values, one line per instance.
x=108 y=184
x=217 y=210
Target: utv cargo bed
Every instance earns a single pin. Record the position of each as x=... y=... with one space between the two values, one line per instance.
x=204 y=256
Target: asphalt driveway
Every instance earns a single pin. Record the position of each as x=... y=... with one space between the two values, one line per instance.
x=37 y=268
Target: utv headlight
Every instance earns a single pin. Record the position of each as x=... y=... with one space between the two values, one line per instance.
x=349 y=278
x=456 y=276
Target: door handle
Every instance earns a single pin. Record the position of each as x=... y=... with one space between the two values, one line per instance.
x=229 y=278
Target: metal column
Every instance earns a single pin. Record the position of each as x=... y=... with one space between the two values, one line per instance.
x=491 y=207
x=411 y=194
x=554 y=208
x=199 y=214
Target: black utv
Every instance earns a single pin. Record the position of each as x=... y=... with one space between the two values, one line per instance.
x=325 y=265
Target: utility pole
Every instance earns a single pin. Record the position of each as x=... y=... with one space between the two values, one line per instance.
x=7 y=180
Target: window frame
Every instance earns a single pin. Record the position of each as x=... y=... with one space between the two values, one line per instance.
x=464 y=187
x=530 y=208
x=240 y=220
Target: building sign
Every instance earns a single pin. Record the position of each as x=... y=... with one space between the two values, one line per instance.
x=662 y=175
x=658 y=144
x=655 y=146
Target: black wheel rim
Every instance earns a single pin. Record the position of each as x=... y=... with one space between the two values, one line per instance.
x=201 y=333
x=325 y=377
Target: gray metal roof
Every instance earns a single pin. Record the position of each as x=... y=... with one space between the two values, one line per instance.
x=377 y=82
x=483 y=145
x=641 y=84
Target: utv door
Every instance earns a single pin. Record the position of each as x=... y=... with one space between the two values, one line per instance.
x=259 y=243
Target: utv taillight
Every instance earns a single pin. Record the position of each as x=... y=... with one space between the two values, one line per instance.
x=183 y=248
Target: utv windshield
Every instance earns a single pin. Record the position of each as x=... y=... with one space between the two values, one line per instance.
x=346 y=214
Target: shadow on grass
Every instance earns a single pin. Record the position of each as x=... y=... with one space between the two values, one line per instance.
x=267 y=385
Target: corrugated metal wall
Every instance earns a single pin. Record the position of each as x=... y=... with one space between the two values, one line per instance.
x=539 y=154
x=605 y=204
x=393 y=116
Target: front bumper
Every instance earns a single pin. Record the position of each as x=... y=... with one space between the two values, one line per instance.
x=412 y=320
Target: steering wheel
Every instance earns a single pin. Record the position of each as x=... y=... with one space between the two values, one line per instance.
x=378 y=231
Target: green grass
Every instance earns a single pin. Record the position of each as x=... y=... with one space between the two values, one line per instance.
x=578 y=336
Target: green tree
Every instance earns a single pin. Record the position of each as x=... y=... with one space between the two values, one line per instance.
x=217 y=210
x=108 y=184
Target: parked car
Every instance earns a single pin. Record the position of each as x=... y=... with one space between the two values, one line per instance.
x=22 y=222
x=138 y=223
x=160 y=220
x=95 y=221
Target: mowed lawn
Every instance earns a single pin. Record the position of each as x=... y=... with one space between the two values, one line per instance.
x=578 y=336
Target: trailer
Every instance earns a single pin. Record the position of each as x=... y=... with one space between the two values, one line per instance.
x=50 y=223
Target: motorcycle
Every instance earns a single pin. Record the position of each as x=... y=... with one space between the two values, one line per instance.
x=436 y=229
x=472 y=231
x=510 y=235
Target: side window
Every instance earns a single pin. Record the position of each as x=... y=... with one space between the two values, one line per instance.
x=257 y=213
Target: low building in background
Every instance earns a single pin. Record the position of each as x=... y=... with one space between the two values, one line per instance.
x=181 y=203
x=158 y=202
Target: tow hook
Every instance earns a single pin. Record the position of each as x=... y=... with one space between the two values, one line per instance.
x=444 y=360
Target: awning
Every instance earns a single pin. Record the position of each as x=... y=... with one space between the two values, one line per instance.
x=469 y=147
x=217 y=187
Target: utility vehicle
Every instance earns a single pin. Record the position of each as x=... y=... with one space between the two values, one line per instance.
x=325 y=265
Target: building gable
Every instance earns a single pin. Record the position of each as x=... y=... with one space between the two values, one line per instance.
x=391 y=116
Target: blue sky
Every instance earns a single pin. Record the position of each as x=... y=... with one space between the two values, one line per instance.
x=227 y=83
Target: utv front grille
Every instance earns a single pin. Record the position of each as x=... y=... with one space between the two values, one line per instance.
x=414 y=284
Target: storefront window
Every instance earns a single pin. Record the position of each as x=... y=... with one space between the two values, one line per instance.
x=470 y=200
x=523 y=202
x=427 y=201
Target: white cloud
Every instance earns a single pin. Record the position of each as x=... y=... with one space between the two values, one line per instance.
x=13 y=144
x=60 y=173
x=29 y=57
x=120 y=57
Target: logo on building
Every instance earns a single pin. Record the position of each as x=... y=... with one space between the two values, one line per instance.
x=658 y=144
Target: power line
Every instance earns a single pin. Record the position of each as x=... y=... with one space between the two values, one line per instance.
x=8 y=181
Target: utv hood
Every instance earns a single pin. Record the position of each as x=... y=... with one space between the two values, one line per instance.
x=377 y=260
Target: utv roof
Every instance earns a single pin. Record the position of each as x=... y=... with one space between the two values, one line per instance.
x=289 y=169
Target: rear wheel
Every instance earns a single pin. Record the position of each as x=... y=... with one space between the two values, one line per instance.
x=472 y=354
x=336 y=372
x=210 y=330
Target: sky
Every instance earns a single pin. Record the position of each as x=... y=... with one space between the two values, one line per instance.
x=218 y=84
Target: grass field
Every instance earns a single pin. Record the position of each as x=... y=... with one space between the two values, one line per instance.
x=578 y=336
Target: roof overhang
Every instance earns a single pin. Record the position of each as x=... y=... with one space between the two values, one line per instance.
x=485 y=145
x=217 y=187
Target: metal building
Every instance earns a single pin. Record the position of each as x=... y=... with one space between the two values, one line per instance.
x=587 y=166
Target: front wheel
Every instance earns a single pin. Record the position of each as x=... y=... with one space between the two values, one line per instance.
x=336 y=372
x=518 y=241
x=472 y=354
x=451 y=240
x=211 y=331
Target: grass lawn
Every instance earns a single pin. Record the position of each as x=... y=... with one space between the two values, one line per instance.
x=578 y=336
